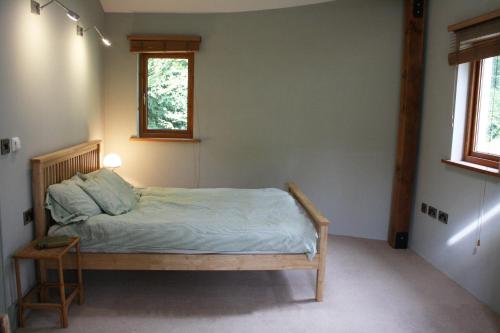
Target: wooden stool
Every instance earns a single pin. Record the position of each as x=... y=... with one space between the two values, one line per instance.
x=31 y=252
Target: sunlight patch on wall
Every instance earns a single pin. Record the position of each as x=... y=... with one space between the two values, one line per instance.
x=492 y=215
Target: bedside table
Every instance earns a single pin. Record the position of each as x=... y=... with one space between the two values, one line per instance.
x=30 y=252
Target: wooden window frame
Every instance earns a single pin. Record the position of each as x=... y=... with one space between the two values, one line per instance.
x=144 y=132
x=470 y=155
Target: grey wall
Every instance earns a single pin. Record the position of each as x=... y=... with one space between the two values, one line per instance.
x=308 y=94
x=51 y=97
x=456 y=191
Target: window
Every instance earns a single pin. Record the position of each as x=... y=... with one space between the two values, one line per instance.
x=475 y=50
x=482 y=140
x=166 y=95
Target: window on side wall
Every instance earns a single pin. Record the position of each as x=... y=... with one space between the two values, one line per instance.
x=476 y=53
x=482 y=138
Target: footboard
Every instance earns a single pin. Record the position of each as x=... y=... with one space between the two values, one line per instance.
x=321 y=224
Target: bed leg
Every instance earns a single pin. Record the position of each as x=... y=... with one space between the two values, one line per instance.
x=320 y=273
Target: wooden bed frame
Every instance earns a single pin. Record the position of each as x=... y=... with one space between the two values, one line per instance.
x=64 y=164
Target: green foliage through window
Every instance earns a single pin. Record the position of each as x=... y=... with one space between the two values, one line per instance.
x=494 y=126
x=167 y=94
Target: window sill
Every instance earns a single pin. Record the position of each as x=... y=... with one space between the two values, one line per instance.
x=179 y=140
x=473 y=167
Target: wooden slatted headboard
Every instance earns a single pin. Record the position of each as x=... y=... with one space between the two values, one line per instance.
x=54 y=168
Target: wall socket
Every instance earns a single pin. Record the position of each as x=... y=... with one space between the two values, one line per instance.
x=432 y=212
x=5 y=146
x=443 y=217
x=28 y=216
x=423 y=208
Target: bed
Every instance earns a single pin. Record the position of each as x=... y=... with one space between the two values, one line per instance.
x=248 y=238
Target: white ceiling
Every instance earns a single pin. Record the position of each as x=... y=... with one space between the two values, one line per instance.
x=199 y=6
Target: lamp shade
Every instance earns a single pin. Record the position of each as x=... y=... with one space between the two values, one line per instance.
x=112 y=161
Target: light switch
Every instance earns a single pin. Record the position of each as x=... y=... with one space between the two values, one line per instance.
x=5 y=146
x=15 y=144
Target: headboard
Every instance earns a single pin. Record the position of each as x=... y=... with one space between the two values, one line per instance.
x=54 y=168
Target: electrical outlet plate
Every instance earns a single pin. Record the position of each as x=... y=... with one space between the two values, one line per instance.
x=28 y=216
x=443 y=217
x=423 y=208
x=15 y=144
x=432 y=212
x=418 y=8
x=5 y=146
x=35 y=7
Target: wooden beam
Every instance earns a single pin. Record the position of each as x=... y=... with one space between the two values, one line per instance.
x=409 y=123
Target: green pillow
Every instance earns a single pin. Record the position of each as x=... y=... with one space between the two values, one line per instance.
x=113 y=194
x=68 y=203
x=85 y=176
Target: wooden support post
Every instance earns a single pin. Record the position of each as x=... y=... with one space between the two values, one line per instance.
x=409 y=123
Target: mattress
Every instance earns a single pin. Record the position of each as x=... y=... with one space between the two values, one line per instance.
x=176 y=220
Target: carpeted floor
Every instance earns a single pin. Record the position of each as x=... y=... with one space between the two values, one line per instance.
x=370 y=288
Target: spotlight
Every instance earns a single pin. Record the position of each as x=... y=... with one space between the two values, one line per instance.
x=104 y=40
x=80 y=30
x=72 y=15
x=36 y=9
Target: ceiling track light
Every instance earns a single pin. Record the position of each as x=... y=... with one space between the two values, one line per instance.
x=80 y=31
x=36 y=8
